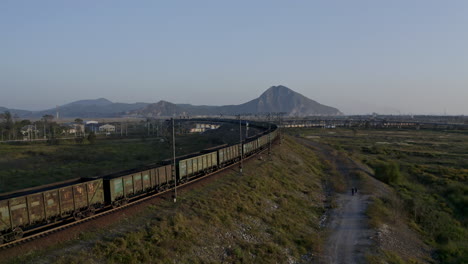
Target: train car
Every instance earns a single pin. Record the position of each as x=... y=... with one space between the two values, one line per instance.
x=228 y=155
x=250 y=147
x=33 y=207
x=274 y=134
x=194 y=166
x=162 y=177
x=123 y=186
x=263 y=140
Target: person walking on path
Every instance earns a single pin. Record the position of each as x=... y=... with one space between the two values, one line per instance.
x=352 y=191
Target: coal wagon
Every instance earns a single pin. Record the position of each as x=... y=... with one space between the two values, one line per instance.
x=228 y=155
x=123 y=186
x=192 y=167
x=27 y=209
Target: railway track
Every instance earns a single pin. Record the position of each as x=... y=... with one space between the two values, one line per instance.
x=70 y=222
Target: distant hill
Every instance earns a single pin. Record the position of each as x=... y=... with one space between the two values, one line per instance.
x=91 y=108
x=84 y=109
x=275 y=99
x=92 y=102
x=16 y=112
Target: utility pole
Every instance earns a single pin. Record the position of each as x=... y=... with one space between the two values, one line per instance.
x=269 y=136
x=240 y=144
x=174 y=176
x=280 y=134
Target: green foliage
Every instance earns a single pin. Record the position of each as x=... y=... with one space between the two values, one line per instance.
x=378 y=212
x=388 y=172
x=91 y=138
x=428 y=171
x=79 y=140
x=387 y=258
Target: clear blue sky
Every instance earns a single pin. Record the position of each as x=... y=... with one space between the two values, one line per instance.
x=408 y=56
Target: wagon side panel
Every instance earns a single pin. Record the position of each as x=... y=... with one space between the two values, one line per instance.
x=146 y=179
x=95 y=192
x=154 y=177
x=52 y=203
x=36 y=207
x=66 y=200
x=19 y=211
x=4 y=215
x=182 y=169
x=137 y=183
x=128 y=185
x=168 y=173
x=116 y=187
x=189 y=166
x=80 y=196
x=222 y=155
x=204 y=163
x=160 y=176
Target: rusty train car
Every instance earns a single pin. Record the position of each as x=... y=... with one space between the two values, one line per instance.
x=35 y=208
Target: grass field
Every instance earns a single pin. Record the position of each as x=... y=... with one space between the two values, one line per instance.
x=429 y=172
x=270 y=214
x=31 y=164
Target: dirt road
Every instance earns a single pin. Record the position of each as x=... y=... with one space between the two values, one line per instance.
x=349 y=238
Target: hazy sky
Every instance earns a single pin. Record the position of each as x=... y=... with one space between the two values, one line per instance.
x=360 y=56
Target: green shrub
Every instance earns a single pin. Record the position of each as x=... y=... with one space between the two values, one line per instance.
x=92 y=138
x=388 y=172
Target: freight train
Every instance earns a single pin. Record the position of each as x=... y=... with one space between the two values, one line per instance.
x=37 y=208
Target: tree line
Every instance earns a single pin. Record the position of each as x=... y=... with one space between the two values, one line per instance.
x=14 y=128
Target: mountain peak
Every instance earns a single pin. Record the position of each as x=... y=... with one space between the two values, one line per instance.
x=279 y=90
x=98 y=102
x=283 y=99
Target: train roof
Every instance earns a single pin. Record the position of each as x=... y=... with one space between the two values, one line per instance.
x=44 y=188
x=215 y=148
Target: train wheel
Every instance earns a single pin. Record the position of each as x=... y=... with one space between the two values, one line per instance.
x=91 y=211
x=18 y=233
x=77 y=215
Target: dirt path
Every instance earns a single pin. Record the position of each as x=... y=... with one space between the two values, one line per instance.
x=350 y=234
x=349 y=238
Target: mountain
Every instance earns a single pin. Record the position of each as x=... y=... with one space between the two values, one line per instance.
x=15 y=112
x=85 y=109
x=282 y=99
x=92 y=108
x=275 y=99
x=93 y=102
x=161 y=108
